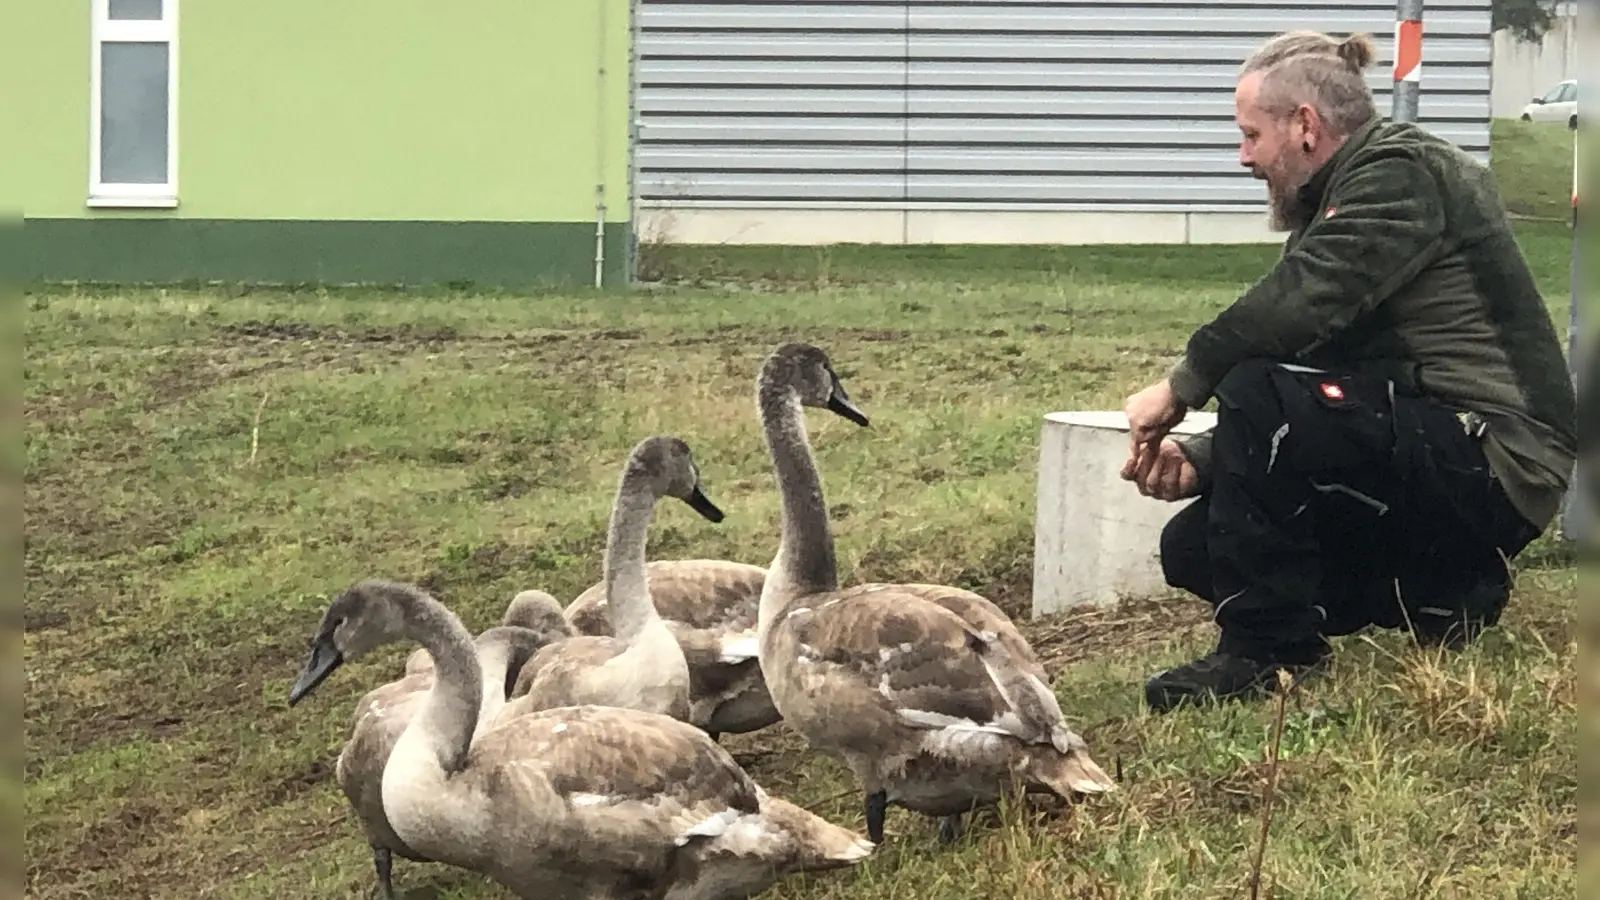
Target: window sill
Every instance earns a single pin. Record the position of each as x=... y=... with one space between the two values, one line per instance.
x=114 y=202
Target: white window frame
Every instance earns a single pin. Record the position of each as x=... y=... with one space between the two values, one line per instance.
x=104 y=29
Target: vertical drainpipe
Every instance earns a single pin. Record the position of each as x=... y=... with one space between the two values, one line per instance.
x=630 y=266
x=600 y=148
x=1407 y=60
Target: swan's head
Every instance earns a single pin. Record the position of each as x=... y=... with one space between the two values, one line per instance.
x=806 y=370
x=364 y=616
x=665 y=465
x=536 y=611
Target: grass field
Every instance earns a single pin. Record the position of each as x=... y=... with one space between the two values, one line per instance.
x=1533 y=163
x=204 y=469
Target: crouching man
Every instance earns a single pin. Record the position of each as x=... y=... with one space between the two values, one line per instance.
x=1395 y=416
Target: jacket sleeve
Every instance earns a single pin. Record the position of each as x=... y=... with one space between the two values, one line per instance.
x=1197 y=450
x=1388 y=224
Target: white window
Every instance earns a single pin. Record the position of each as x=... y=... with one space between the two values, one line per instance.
x=133 y=107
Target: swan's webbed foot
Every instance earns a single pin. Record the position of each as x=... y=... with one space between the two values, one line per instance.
x=383 y=864
x=950 y=828
x=877 y=810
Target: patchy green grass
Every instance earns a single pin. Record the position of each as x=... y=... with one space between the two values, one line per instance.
x=1533 y=163
x=203 y=471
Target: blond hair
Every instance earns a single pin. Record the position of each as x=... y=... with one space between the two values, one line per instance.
x=1319 y=70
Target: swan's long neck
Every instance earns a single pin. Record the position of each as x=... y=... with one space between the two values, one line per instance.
x=449 y=715
x=494 y=658
x=628 y=602
x=805 y=562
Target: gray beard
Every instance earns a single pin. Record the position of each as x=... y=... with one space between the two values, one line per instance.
x=1286 y=212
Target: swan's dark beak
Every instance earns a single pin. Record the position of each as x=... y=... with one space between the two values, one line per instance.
x=702 y=504
x=325 y=657
x=839 y=403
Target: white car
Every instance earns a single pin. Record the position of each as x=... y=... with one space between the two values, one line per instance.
x=1559 y=104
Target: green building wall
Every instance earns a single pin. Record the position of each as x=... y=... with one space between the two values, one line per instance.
x=391 y=141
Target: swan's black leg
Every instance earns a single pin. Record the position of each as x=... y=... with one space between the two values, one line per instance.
x=715 y=736
x=877 y=809
x=383 y=862
x=950 y=829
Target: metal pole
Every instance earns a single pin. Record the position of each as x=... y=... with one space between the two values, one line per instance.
x=1577 y=517
x=1407 y=59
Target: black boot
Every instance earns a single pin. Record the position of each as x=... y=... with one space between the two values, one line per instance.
x=1459 y=623
x=1224 y=676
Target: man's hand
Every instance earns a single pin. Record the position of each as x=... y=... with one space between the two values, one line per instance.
x=1162 y=471
x=1152 y=413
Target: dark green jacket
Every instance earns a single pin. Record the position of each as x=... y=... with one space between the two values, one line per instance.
x=1409 y=256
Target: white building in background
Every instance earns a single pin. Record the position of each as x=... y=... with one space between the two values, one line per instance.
x=1524 y=70
x=1001 y=121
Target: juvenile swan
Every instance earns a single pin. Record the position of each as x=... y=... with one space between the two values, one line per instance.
x=933 y=700
x=710 y=605
x=383 y=714
x=532 y=620
x=574 y=803
x=641 y=667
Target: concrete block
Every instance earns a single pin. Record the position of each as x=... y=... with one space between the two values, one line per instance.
x=1096 y=538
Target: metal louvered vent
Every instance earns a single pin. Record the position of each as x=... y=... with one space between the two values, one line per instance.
x=993 y=104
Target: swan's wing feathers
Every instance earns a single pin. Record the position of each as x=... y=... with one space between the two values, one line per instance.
x=931 y=666
x=981 y=613
x=386 y=695
x=641 y=756
x=707 y=593
x=694 y=594
x=925 y=663
x=1012 y=664
x=359 y=768
x=738 y=646
x=625 y=784
x=556 y=667
x=587 y=612
x=374 y=736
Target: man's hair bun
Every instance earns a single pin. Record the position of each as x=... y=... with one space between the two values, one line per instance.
x=1357 y=51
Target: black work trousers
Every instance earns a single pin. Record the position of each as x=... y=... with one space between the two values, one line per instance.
x=1337 y=502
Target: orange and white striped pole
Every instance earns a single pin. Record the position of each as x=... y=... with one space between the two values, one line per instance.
x=1407 y=60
